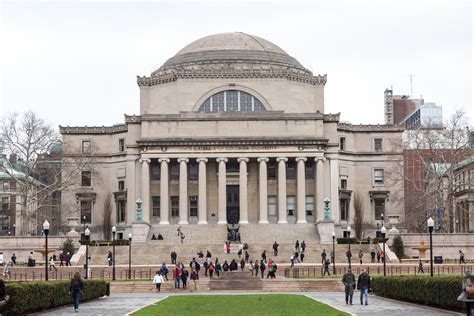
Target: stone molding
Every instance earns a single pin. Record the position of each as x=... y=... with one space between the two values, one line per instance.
x=222 y=159
x=144 y=160
x=119 y=128
x=231 y=141
x=242 y=159
x=284 y=159
x=198 y=160
x=263 y=160
x=167 y=160
x=185 y=160
x=369 y=128
x=232 y=73
x=300 y=159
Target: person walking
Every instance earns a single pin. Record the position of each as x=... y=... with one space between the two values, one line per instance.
x=239 y=253
x=256 y=268
x=173 y=256
x=303 y=246
x=275 y=248
x=6 y=271
x=218 y=267
x=227 y=247
x=363 y=284
x=420 y=267
x=52 y=264
x=361 y=254
x=297 y=245
x=242 y=264
x=247 y=256
x=270 y=268
x=14 y=259
x=109 y=258
x=157 y=280
x=378 y=256
x=292 y=261
x=176 y=276
x=184 y=278
x=264 y=256
x=326 y=267
x=69 y=257
x=349 y=256
x=182 y=237
x=349 y=285
x=165 y=271
x=211 y=269
x=467 y=282
x=302 y=256
x=382 y=256
x=194 y=278
x=461 y=257
x=262 y=268
x=75 y=288
x=323 y=256
x=372 y=256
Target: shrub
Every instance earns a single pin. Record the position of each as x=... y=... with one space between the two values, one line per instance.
x=68 y=246
x=398 y=247
x=438 y=291
x=343 y=241
x=118 y=242
x=27 y=297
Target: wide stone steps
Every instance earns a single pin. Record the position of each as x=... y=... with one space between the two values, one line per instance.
x=149 y=287
x=235 y=281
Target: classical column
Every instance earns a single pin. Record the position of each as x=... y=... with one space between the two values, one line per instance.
x=183 y=190
x=282 y=190
x=131 y=189
x=334 y=166
x=222 y=192
x=164 y=191
x=262 y=186
x=202 y=191
x=145 y=190
x=301 y=191
x=243 y=200
x=319 y=187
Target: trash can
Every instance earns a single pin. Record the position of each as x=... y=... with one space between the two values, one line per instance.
x=438 y=259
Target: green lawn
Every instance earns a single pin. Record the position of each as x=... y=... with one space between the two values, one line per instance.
x=228 y=305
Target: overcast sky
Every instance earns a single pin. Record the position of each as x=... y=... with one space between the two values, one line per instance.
x=76 y=63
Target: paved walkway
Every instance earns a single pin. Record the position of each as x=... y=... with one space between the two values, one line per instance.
x=121 y=304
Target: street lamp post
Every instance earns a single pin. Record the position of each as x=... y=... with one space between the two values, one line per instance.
x=87 y=234
x=333 y=253
x=84 y=224
x=14 y=229
x=349 y=236
x=383 y=232
x=114 y=230
x=46 y=232
x=430 y=229
x=130 y=256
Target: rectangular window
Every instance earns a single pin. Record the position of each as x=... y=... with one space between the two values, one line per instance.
x=378 y=176
x=379 y=208
x=309 y=169
x=193 y=171
x=86 y=146
x=5 y=203
x=342 y=143
x=121 y=185
x=174 y=172
x=4 y=223
x=232 y=166
x=290 y=205
x=272 y=205
x=155 y=172
x=6 y=185
x=378 y=144
x=344 y=206
x=86 y=177
x=193 y=206
x=86 y=212
x=343 y=184
x=175 y=206
x=121 y=210
x=121 y=144
x=271 y=170
x=309 y=205
x=291 y=170
x=156 y=206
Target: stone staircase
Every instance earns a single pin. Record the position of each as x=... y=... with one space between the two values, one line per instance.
x=149 y=287
x=235 y=281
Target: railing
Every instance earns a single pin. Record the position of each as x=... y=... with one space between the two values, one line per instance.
x=308 y=272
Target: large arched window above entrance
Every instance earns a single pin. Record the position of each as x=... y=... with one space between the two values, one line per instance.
x=232 y=101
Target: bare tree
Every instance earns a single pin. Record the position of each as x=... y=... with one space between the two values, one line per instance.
x=359 y=224
x=107 y=221
x=28 y=137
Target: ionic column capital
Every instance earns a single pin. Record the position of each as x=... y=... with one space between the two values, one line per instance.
x=242 y=159
x=185 y=160
x=160 y=160
x=222 y=159
x=323 y=159
x=144 y=160
x=198 y=160
x=280 y=159
x=263 y=160
x=298 y=159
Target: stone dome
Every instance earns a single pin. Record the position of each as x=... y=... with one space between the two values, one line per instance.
x=231 y=48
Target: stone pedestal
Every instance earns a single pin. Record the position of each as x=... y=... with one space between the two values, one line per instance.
x=140 y=232
x=325 y=230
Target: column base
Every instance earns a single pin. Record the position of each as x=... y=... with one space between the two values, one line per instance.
x=301 y=221
x=243 y=221
x=282 y=221
x=164 y=222
x=222 y=222
x=183 y=222
x=263 y=222
x=202 y=222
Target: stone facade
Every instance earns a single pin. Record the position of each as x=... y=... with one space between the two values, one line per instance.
x=234 y=163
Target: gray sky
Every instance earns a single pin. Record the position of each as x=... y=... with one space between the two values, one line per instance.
x=76 y=63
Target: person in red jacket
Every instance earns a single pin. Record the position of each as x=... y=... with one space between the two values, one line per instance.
x=227 y=247
x=176 y=276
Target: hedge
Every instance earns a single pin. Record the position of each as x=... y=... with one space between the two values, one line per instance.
x=437 y=291
x=343 y=241
x=118 y=242
x=27 y=297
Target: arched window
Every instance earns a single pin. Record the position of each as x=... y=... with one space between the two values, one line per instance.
x=232 y=101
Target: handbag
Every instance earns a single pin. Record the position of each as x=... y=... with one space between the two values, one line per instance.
x=470 y=292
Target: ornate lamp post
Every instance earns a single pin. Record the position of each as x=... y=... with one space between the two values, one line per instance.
x=87 y=233
x=333 y=253
x=84 y=224
x=430 y=229
x=349 y=236
x=139 y=210
x=46 y=232
x=130 y=256
x=383 y=232
x=114 y=230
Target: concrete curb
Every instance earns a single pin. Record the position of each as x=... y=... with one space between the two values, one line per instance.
x=136 y=310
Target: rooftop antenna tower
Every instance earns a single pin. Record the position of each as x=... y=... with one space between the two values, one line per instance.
x=411 y=85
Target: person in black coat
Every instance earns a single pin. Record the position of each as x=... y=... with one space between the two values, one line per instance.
x=363 y=284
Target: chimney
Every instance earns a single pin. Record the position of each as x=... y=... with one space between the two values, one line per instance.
x=13 y=158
